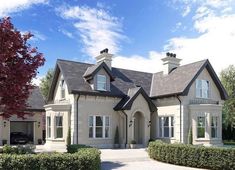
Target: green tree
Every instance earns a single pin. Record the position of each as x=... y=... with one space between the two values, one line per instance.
x=228 y=80
x=46 y=83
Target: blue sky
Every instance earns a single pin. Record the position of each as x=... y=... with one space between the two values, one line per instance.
x=138 y=33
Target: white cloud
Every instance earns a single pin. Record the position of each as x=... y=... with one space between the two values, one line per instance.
x=216 y=37
x=67 y=33
x=37 y=36
x=151 y=64
x=37 y=80
x=97 y=27
x=11 y=6
x=186 y=11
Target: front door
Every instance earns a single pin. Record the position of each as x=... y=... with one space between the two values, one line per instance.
x=139 y=128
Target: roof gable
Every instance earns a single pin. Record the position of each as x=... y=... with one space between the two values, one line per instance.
x=127 y=101
x=93 y=70
x=214 y=77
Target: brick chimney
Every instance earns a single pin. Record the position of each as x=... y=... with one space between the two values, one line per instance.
x=105 y=57
x=170 y=62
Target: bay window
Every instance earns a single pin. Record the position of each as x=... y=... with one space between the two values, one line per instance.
x=59 y=126
x=201 y=126
x=214 y=127
x=48 y=127
x=166 y=127
x=99 y=127
x=202 y=88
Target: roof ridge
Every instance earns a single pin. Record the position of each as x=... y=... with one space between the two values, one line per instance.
x=74 y=61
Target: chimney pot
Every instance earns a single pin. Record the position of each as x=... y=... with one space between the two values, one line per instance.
x=105 y=57
x=170 y=62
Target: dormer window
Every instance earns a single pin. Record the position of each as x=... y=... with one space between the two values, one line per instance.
x=101 y=82
x=202 y=88
x=62 y=89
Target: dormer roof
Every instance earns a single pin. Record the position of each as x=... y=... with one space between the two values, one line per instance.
x=93 y=70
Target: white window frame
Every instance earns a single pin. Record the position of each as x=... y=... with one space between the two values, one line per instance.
x=62 y=89
x=215 y=126
x=202 y=126
x=48 y=126
x=101 y=82
x=104 y=126
x=56 y=127
x=200 y=91
x=170 y=126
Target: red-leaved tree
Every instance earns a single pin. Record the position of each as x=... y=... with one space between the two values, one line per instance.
x=18 y=66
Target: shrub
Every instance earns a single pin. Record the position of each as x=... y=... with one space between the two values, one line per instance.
x=75 y=148
x=116 y=138
x=84 y=159
x=133 y=142
x=69 y=137
x=27 y=149
x=193 y=156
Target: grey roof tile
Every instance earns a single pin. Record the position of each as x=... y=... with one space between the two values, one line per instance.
x=35 y=100
x=176 y=81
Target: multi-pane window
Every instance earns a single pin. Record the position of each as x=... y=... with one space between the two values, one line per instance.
x=201 y=126
x=59 y=126
x=91 y=125
x=107 y=124
x=214 y=126
x=48 y=126
x=99 y=126
x=62 y=89
x=101 y=82
x=202 y=88
x=166 y=127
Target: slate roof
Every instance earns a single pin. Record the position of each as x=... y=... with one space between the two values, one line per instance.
x=180 y=80
x=124 y=79
x=177 y=82
x=35 y=101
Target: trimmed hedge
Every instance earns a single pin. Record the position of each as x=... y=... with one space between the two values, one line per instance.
x=74 y=148
x=84 y=159
x=193 y=156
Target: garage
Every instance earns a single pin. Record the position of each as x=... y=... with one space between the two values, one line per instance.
x=21 y=132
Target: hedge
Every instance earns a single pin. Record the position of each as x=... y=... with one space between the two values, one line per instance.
x=193 y=156
x=74 y=148
x=84 y=159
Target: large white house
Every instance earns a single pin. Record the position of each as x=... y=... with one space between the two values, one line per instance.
x=94 y=99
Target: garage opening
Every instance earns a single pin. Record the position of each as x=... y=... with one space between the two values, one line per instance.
x=21 y=132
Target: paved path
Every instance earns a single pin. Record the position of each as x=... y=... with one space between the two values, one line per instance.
x=133 y=159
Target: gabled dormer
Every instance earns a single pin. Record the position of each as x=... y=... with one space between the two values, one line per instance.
x=100 y=75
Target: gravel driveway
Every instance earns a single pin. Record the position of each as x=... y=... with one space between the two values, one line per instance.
x=133 y=159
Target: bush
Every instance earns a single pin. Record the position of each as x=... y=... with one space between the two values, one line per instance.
x=193 y=156
x=133 y=142
x=84 y=159
x=27 y=149
x=75 y=148
x=229 y=142
x=69 y=137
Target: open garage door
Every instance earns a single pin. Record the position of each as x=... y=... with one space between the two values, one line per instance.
x=21 y=132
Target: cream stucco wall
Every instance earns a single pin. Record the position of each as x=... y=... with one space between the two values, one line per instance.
x=36 y=118
x=97 y=106
x=190 y=110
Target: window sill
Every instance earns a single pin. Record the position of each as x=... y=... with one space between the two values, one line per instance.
x=56 y=139
x=202 y=139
